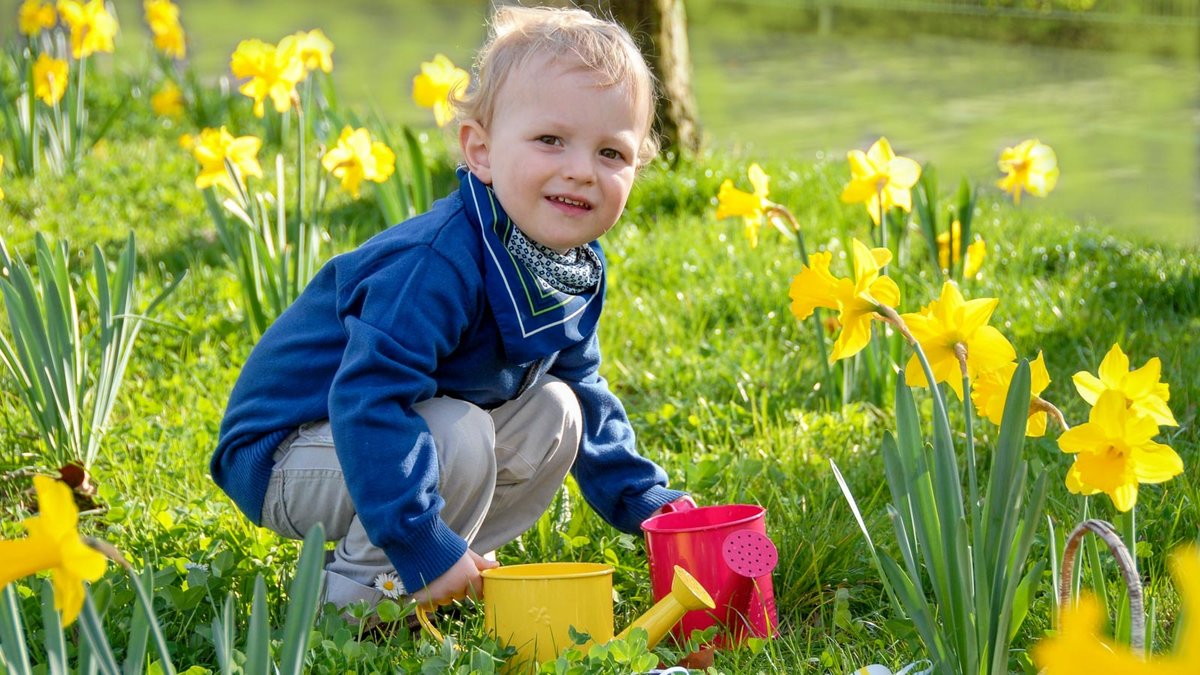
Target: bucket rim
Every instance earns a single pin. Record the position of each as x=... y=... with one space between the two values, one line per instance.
x=652 y=526
x=537 y=571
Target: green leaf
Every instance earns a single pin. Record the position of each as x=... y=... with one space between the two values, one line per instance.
x=303 y=596
x=1024 y=598
x=258 y=638
x=56 y=647
x=223 y=635
x=93 y=634
x=925 y=206
x=12 y=631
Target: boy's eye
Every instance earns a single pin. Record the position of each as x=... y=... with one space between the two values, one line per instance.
x=550 y=140
x=609 y=153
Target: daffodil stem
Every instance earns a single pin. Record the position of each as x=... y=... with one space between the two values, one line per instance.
x=1128 y=522
x=1039 y=404
x=883 y=225
x=818 y=328
x=890 y=316
x=960 y=351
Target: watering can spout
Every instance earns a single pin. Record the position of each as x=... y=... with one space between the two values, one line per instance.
x=686 y=594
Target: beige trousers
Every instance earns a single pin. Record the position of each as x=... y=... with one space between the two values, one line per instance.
x=498 y=471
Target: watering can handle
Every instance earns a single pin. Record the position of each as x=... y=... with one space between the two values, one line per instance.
x=423 y=619
x=684 y=503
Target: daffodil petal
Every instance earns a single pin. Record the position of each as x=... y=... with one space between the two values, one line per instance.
x=1141 y=382
x=56 y=504
x=1089 y=386
x=1124 y=496
x=880 y=152
x=858 y=191
x=1039 y=377
x=1036 y=427
x=1114 y=367
x=904 y=172
x=760 y=180
x=1157 y=463
x=1157 y=409
x=885 y=291
x=856 y=333
x=68 y=595
x=976 y=313
x=1185 y=570
x=988 y=349
x=1082 y=438
x=864 y=262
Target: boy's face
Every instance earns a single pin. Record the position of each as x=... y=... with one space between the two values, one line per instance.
x=560 y=152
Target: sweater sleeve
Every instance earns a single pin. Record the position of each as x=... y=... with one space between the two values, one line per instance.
x=621 y=485
x=399 y=321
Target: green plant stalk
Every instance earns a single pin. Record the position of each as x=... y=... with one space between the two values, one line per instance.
x=49 y=354
x=974 y=565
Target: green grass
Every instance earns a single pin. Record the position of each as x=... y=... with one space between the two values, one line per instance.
x=717 y=375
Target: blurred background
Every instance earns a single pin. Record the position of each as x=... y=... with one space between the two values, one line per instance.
x=1112 y=85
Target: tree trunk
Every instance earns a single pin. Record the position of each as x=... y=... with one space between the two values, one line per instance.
x=664 y=22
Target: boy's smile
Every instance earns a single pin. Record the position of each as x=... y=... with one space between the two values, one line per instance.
x=560 y=152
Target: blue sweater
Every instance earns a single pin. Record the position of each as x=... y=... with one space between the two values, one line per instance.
x=434 y=306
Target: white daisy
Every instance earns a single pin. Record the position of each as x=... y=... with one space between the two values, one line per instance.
x=389 y=584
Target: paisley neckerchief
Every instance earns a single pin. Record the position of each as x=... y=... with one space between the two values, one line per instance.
x=535 y=319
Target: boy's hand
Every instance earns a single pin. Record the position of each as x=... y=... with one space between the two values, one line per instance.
x=456 y=583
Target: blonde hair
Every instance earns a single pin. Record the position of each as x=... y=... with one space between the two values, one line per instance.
x=519 y=35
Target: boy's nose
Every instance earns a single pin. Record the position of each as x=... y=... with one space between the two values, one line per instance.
x=579 y=168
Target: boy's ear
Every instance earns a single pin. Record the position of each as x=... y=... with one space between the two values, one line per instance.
x=476 y=149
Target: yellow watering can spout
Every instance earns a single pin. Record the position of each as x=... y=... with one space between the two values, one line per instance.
x=686 y=594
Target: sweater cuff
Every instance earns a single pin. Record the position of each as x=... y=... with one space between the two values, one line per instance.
x=650 y=501
x=426 y=554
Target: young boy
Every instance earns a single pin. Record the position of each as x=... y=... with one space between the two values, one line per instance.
x=426 y=395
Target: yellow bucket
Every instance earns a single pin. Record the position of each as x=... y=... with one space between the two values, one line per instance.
x=532 y=607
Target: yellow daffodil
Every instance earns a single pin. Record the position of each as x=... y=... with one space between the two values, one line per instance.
x=949 y=321
x=734 y=202
x=313 y=49
x=49 y=78
x=168 y=101
x=1079 y=646
x=1031 y=167
x=161 y=15
x=356 y=158
x=1 y=171
x=163 y=19
x=878 y=178
x=438 y=80
x=36 y=16
x=856 y=301
x=1114 y=452
x=273 y=72
x=92 y=27
x=53 y=544
x=214 y=146
x=1141 y=388
x=990 y=391
x=976 y=251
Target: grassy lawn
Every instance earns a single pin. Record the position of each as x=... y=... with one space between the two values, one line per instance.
x=717 y=375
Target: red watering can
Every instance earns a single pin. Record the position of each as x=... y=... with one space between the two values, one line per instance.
x=727 y=550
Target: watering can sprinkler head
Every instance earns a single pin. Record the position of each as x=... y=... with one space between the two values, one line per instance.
x=686 y=595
